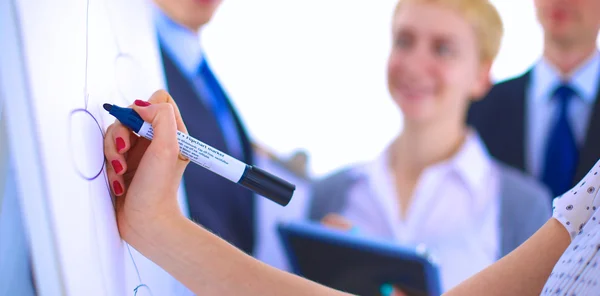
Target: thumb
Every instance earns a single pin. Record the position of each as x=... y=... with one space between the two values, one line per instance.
x=337 y=221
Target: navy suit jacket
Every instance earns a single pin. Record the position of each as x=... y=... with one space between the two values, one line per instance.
x=501 y=120
x=221 y=206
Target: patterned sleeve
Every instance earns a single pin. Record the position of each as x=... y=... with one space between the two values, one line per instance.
x=574 y=208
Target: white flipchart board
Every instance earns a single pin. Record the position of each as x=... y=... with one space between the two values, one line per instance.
x=60 y=61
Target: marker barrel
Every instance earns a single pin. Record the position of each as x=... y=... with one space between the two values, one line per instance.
x=253 y=178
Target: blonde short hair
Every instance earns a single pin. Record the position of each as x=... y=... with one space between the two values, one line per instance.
x=481 y=15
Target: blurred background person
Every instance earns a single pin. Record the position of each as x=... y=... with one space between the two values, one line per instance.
x=214 y=202
x=436 y=184
x=544 y=121
x=227 y=209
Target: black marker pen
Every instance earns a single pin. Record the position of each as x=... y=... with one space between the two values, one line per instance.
x=253 y=178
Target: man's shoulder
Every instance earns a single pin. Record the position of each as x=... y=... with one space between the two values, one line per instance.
x=329 y=193
x=506 y=89
x=521 y=187
x=339 y=179
x=502 y=98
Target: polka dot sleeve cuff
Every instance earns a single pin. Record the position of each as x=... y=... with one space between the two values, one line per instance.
x=574 y=208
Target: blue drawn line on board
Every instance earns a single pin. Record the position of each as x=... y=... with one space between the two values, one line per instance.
x=138 y=273
x=85 y=111
x=134 y=265
x=135 y=291
x=85 y=86
x=93 y=173
x=106 y=182
x=141 y=283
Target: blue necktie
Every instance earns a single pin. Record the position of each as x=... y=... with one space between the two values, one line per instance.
x=561 y=149
x=214 y=98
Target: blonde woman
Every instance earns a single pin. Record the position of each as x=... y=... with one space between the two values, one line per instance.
x=436 y=183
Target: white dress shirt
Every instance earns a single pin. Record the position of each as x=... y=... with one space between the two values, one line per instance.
x=541 y=110
x=454 y=210
x=184 y=48
x=182 y=44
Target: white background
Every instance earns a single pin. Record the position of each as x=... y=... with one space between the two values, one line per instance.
x=311 y=74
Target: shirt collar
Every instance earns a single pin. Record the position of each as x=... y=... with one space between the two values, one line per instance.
x=182 y=44
x=471 y=163
x=379 y=175
x=584 y=79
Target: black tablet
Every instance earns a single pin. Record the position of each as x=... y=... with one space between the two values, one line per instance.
x=355 y=264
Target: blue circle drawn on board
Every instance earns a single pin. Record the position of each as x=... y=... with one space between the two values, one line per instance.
x=93 y=174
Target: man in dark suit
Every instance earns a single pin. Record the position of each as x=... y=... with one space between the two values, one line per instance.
x=547 y=121
x=214 y=202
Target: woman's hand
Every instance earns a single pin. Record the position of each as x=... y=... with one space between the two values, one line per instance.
x=145 y=175
x=337 y=221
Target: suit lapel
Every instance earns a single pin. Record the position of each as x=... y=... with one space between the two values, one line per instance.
x=590 y=152
x=224 y=208
x=515 y=138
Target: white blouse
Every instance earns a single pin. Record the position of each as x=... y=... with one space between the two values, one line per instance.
x=577 y=272
x=453 y=212
x=578 y=210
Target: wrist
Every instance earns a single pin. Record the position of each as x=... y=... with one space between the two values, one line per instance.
x=148 y=224
x=571 y=212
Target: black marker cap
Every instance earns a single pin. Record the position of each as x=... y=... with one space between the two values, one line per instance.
x=267 y=185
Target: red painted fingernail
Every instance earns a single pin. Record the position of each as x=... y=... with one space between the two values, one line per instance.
x=117 y=187
x=141 y=103
x=117 y=166
x=120 y=144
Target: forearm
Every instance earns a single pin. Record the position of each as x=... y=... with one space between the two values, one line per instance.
x=210 y=266
x=525 y=270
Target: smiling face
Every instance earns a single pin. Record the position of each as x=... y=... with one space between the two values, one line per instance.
x=569 y=21
x=191 y=14
x=435 y=66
